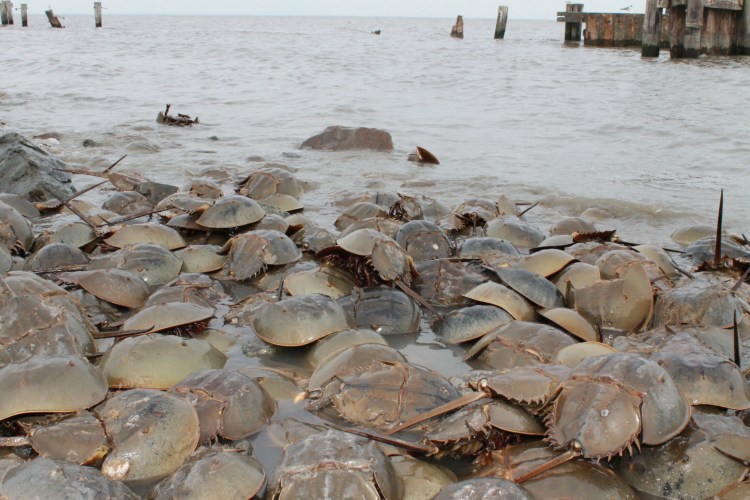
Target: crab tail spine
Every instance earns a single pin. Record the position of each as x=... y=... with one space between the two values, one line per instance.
x=551 y=464
x=717 y=250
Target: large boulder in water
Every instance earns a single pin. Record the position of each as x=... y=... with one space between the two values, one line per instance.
x=337 y=138
x=31 y=172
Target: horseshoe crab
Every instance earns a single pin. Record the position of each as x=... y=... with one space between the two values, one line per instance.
x=481 y=247
x=607 y=402
x=272 y=178
x=78 y=438
x=547 y=262
x=300 y=320
x=571 y=225
x=519 y=343
x=520 y=233
x=698 y=302
x=621 y=305
x=573 y=479
x=122 y=288
x=213 y=473
x=371 y=257
x=693 y=464
x=250 y=253
x=358 y=212
x=228 y=403
x=445 y=281
x=156 y=265
x=325 y=280
x=51 y=478
x=474 y=212
x=200 y=258
x=351 y=358
x=533 y=287
x=385 y=310
x=156 y=234
x=385 y=393
x=127 y=202
x=157 y=361
x=58 y=384
x=16 y=233
x=424 y=240
x=470 y=323
x=337 y=465
x=77 y=234
x=422 y=480
x=501 y=296
x=338 y=341
x=55 y=256
x=480 y=428
x=481 y=488
x=170 y=316
x=153 y=433
x=230 y=212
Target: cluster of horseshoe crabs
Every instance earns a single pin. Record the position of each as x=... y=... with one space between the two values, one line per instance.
x=218 y=341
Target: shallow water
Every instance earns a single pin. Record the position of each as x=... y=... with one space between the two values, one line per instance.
x=651 y=141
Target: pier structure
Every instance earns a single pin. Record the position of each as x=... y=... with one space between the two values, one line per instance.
x=688 y=28
x=6 y=13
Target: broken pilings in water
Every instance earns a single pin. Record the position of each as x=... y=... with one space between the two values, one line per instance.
x=502 y=21
x=457 y=31
x=651 y=30
x=573 y=23
x=98 y=14
x=54 y=21
x=6 y=12
x=24 y=15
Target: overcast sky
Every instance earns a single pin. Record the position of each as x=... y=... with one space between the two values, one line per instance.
x=519 y=9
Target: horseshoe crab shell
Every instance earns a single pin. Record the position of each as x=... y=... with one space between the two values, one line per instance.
x=153 y=433
x=54 y=478
x=58 y=384
x=501 y=296
x=122 y=288
x=157 y=361
x=534 y=287
x=157 y=234
x=300 y=320
x=213 y=473
x=231 y=211
x=334 y=464
x=162 y=317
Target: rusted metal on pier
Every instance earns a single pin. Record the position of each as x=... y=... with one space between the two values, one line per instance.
x=688 y=28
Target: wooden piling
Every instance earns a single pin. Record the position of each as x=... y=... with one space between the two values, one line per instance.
x=54 y=21
x=502 y=21
x=693 y=28
x=457 y=31
x=3 y=13
x=744 y=45
x=24 y=15
x=651 y=29
x=9 y=9
x=573 y=28
x=98 y=14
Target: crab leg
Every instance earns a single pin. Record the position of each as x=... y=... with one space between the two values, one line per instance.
x=13 y=441
x=453 y=405
x=737 y=359
x=717 y=251
x=551 y=464
x=414 y=295
x=408 y=445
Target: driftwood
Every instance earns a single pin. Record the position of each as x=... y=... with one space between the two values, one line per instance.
x=179 y=121
x=54 y=21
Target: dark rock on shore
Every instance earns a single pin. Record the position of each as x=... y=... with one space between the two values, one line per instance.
x=337 y=138
x=31 y=172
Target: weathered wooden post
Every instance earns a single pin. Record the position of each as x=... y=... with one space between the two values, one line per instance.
x=457 y=31
x=651 y=29
x=24 y=15
x=9 y=11
x=3 y=13
x=573 y=28
x=98 y=14
x=744 y=48
x=693 y=28
x=53 y=19
x=502 y=21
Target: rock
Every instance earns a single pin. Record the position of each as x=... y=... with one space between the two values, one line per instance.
x=30 y=172
x=337 y=138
